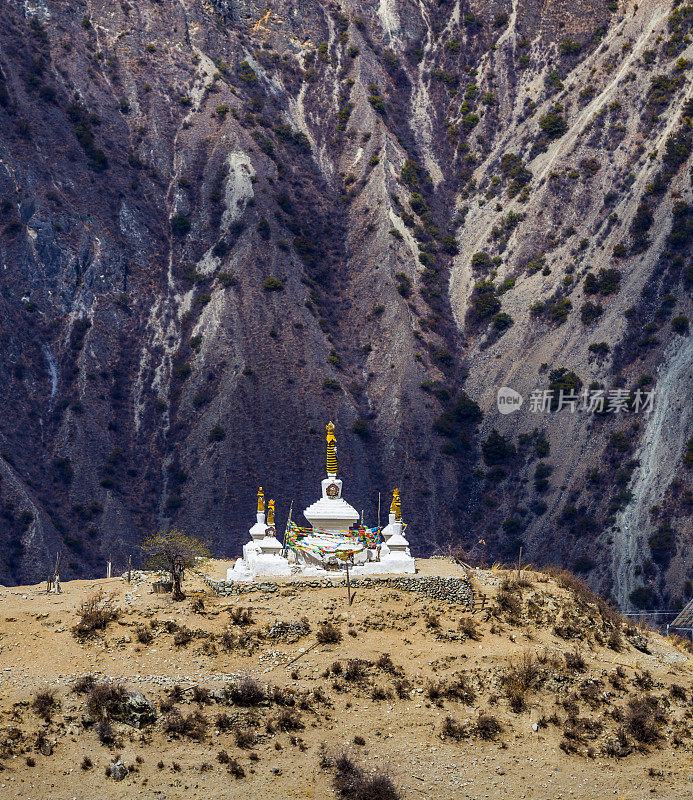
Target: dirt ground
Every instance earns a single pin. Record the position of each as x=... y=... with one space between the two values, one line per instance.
x=403 y=735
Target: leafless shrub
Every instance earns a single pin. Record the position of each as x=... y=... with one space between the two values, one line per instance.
x=520 y=676
x=591 y=691
x=352 y=782
x=402 y=688
x=644 y=715
x=385 y=663
x=197 y=606
x=359 y=741
x=575 y=661
x=30 y=761
x=509 y=604
x=619 y=746
x=166 y=704
x=432 y=622
x=452 y=729
x=328 y=633
x=241 y=616
x=469 y=627
x=83 y=684
x=228 y=641
x=234 y=768
x=44 y=703
x=182 y=636
x=550 y=659
x=105 y=700
x=86 y=763
x=176 y=693
x=355 y=670
x=282 y=696
x=223 y=721
x=677 y=692
x=245 y=738
x=105 y=733
x=617 y=679
x=246 y=692
x=487 y=726
x=94 y=615
x=289 y=720
x=194 y=726
x=643 y=680
x=435 y=690
x=319 y=695
x=380 y=693
x=615 y=640
x=223 y=757
x=144 y=634
x=460 y=689
x=201 y=695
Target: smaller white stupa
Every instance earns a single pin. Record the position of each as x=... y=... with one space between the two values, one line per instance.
x=395 y=555
x=262 y=554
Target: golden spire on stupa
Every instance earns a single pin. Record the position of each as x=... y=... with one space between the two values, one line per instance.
x=331 y=449
x=260 y=500
x=270 y=512
x=395 y=507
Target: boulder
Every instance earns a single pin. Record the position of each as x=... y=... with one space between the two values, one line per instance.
x=137 y=710
x=117 y=770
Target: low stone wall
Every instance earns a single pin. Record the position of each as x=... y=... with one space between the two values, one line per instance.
x=453 y=590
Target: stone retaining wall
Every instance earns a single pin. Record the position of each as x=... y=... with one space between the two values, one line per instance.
x=454 y=590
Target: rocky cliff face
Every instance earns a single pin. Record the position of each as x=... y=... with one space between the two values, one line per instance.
x=224 y=223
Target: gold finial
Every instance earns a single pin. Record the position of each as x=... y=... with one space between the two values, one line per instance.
x=331 y=449
x=396 y=507
x=270 y=512
x=260 y=500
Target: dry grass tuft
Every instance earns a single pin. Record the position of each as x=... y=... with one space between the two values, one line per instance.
x=452 y=729
x=575 y=661
x=644 y=716
x=352 y=782
x=469 y=627
x=44 y=703
x=95 y=613
x=144 y=634
x=521 y=676
x=246 y=692
x=194 y=726
x=487 y=727
x=245 y=738
x=328 y=633
x=241 y=616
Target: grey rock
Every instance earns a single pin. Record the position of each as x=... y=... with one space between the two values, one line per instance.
x=117 y=770
x=137 y=710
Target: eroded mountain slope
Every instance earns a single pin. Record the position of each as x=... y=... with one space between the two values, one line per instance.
x=225 y=223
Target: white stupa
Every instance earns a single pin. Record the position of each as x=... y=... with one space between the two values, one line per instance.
x=331 y=513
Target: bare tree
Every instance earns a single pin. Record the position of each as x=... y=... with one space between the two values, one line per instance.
x=174 y=551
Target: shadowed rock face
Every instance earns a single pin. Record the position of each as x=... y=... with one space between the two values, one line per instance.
x=223 y=226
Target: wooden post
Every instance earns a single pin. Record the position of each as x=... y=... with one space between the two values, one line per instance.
x=519 y=559
x=378 y=509
x=108 y=567
x=129 y=569
x=348 y=582
x=56 y=575
x=49 y=583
